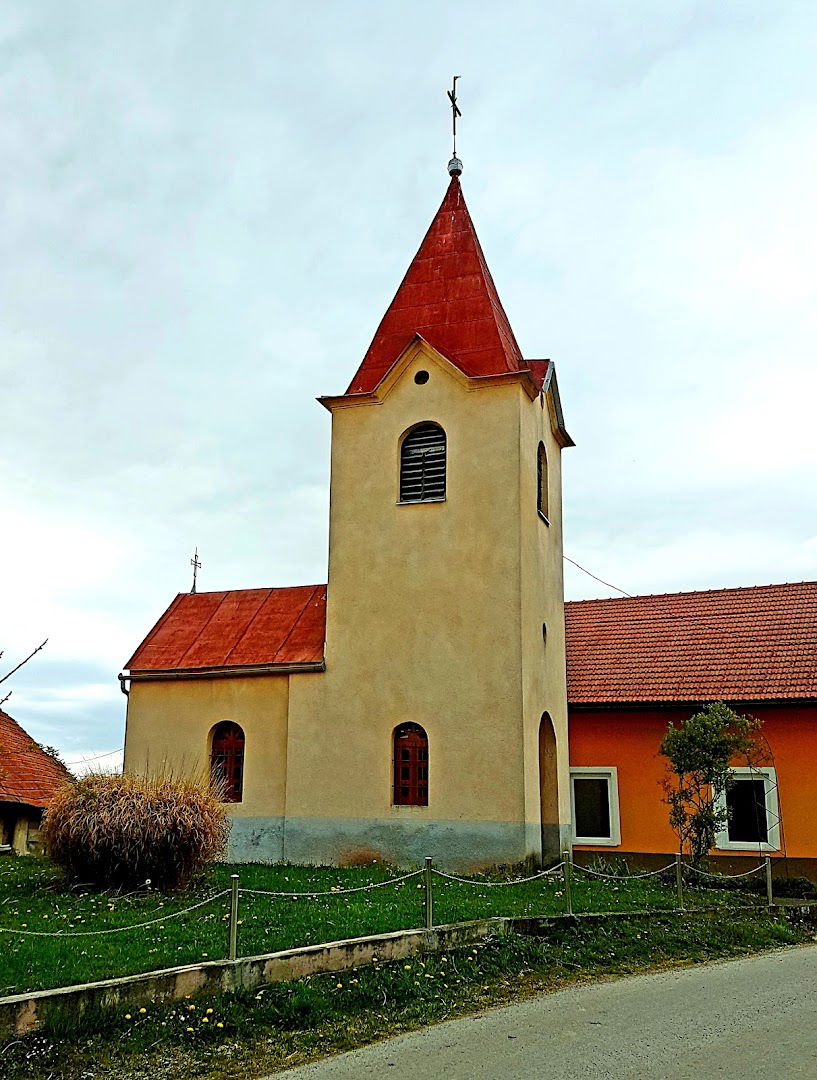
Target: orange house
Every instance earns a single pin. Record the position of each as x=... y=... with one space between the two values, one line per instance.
x=635 y=664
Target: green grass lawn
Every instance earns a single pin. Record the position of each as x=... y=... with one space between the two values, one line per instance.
x=250 y=1034
x=34 y=897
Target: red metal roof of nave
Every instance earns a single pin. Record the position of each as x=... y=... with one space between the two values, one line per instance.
x=27 y=774
x=238 y=628
x=448 y=297
x=749 y=644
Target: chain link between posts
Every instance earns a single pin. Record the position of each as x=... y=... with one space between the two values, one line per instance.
x=493 y=884
x=114 y=929
x=726 y=877
x=335 y=892
x=623 y=877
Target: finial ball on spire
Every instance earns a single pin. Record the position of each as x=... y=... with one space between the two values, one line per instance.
x=455 y=167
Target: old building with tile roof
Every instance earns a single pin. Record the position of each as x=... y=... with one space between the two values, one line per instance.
x=29 y=778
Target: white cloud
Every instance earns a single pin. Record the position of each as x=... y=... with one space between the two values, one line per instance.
x=204 y=217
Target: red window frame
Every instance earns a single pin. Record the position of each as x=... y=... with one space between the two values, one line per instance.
x=410 y=766
x=227 y=761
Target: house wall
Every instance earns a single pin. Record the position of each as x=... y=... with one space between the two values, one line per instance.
x=425 y=623
x=629 y=740
x=169 y=728
x=20 y=827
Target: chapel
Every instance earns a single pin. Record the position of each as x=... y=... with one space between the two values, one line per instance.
x=415 y=704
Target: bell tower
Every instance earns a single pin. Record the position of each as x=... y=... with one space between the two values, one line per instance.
x=445 y=621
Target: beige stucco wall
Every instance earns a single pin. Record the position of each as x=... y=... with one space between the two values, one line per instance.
x=543 y=660
x=429 y=620
x=169 y=725
x=434 y=615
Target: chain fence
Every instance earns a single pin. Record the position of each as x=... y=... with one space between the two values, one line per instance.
x=681 y=873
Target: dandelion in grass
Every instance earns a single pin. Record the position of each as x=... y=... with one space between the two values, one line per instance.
x=128 y=1016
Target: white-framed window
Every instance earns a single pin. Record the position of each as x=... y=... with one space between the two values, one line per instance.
x=751 y=802
x=594 y=802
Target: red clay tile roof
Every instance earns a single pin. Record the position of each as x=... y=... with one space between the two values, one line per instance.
x=449 y=298
x=751 y=644
x=239 y=628
x=27 y=774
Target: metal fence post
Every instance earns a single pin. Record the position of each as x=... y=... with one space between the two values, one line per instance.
x=679 y=880
x=568 y=872
x=232 y=952
x=769 y=896
x=429 y=895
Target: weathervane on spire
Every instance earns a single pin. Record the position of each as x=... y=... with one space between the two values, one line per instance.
x=454 y=165
x=194 y=562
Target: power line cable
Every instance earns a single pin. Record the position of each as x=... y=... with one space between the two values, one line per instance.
x=96 y=757
x=595 y=576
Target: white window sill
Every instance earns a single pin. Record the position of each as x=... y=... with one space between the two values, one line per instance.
x=597 y=841
x=418 y=502
x=747 y=848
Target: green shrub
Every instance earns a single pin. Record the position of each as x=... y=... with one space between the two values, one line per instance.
x=127 y=830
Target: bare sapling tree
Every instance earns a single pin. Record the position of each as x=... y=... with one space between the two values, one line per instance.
x=8 y=675
x=700 y=752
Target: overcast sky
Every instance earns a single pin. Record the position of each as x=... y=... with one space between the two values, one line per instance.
x=205 y=209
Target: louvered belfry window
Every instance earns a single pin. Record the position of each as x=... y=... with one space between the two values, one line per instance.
x=227 y=762
x=422 y=464
x=410 y=766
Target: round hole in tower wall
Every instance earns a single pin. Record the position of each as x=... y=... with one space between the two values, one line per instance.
x=421 y=378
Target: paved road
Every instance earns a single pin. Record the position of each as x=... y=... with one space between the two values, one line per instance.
x=744 y=1019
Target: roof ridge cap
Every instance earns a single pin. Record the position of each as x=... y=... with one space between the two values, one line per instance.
x=689 y=592
x=252 y=588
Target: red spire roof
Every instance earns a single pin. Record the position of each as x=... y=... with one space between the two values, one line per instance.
x=448 y=297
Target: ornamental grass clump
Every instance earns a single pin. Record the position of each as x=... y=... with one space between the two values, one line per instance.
x=124 y=831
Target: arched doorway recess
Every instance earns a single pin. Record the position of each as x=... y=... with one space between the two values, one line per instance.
x=548 y=788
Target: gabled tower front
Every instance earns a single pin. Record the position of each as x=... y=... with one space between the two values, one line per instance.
x=445 y=599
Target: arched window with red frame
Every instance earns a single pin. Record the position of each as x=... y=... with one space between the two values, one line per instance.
x=410 y=766
x=227 y=761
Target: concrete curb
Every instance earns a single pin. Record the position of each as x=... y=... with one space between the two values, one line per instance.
x=21 y=1014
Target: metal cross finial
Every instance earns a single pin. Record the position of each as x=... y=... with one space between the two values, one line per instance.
x=194 y=562
x=455 y=111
